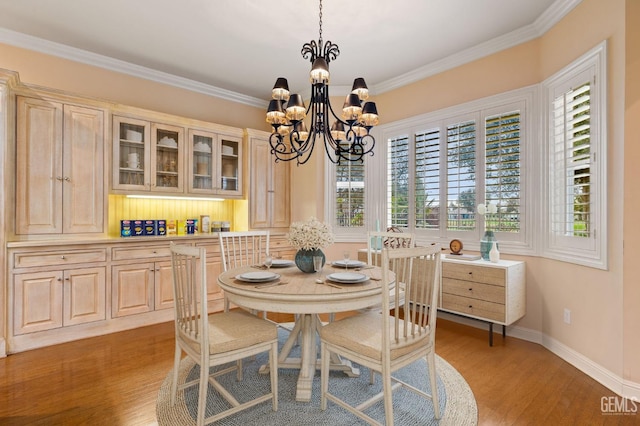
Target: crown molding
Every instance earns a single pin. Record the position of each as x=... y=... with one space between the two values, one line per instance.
x=78 y=55
x=548 y=19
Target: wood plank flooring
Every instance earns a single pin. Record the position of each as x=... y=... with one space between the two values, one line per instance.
x=114 y=380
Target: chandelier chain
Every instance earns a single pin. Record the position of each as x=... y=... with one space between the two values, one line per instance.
x=320 y=26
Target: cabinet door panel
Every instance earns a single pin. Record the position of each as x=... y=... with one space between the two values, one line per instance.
x=83 y=170
x=37 y=302
x=84 y=296
x=132 y=289
x=39 y=174
x=260 y=184
x=280 y=193
x=164 y=285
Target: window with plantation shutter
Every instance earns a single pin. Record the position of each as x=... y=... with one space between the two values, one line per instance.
x=398 y=182
x=427 y=179
x=571 y=165
x=576 y=166
x=461 y=176
x=503 y=170
x=349 y=194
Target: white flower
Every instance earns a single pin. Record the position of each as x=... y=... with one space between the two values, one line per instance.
x=310 y=235
x=487 y=209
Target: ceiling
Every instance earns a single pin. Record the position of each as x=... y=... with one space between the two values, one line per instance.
x=237 y=48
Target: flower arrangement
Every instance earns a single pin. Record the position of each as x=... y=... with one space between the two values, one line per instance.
x=487 y=209
x=310 y=235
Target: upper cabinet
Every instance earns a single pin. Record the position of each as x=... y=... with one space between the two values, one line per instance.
x=152 y=156
x=60 y=185
x=147 y=156
x=270 y=182
x=215 y=163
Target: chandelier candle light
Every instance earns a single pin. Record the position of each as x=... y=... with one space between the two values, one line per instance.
x=347 y=138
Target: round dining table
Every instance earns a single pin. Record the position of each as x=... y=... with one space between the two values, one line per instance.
x=306 y=295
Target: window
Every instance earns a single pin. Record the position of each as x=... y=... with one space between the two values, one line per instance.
x=349 y=194
x=398 y=182
x=576 y=102
x=442 y=165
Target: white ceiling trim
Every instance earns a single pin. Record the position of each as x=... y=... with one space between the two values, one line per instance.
x=89 y=58
x=549 y=18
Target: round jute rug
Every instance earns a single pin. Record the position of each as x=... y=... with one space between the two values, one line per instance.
x=457 y=403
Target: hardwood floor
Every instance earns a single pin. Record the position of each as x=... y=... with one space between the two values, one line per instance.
x=114 y=380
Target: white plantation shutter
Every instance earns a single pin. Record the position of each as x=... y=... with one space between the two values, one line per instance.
x=398 y=203
x=427 y=179
x=349 y=194
x=571 y=206
x=503 y=171
x=577 y=175
x=461 y=180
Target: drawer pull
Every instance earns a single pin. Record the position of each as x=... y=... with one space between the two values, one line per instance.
x=59 y=279
x=62 y=257
x=470 y=288
x=471 y=306
x=154 y=252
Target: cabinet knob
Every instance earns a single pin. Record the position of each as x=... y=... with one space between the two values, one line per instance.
x=470 y=273
x=66 y=279
x=62 y=257
x=471 y=306
x=470 y=288
x=59 y=178
x=59 y=279
x=67 y=178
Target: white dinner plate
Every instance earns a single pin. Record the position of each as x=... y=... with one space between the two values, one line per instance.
x=257 y=277
x=347 y=277
x=281 y=263
x=349 y=264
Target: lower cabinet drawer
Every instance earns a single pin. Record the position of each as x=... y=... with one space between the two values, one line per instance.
x=129 y=253
x=58 y=258
x=474 y=290
x=478 y=308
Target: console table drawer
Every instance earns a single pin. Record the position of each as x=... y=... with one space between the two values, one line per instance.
x=476 y=273
x=478 y=308
x=474 y=290
x=34 y=259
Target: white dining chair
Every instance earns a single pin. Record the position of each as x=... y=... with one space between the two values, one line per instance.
x=215 y=339
x=387 y=340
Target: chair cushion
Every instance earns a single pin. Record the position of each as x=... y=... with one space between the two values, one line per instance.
x=362 y=334
x=233 y=330
x=238 y=329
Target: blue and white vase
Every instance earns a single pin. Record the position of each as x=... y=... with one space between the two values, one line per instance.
x=487 y=241
x=304 y=259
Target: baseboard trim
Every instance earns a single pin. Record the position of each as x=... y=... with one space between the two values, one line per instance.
x=615 y=383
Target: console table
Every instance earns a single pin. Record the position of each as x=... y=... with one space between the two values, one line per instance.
x=491 y=292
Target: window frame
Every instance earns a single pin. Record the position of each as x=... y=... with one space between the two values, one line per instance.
x=593 y=251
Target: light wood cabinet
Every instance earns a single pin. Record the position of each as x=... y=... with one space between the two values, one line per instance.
x=214 y=163
x=147 y=156
x=59 y=168
x=270 y=185
x=156 y=157
x=58 y=298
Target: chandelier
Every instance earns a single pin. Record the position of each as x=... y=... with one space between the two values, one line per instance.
x=347 y=138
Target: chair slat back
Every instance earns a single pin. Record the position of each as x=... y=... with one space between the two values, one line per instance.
x=243 y=248
x=418 y=268
x=188 y=265
x=381 y=239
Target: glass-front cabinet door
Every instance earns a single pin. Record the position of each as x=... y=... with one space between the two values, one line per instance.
x=131 y=154
x=230 y=165
x=167 y=158
x=202 y=165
